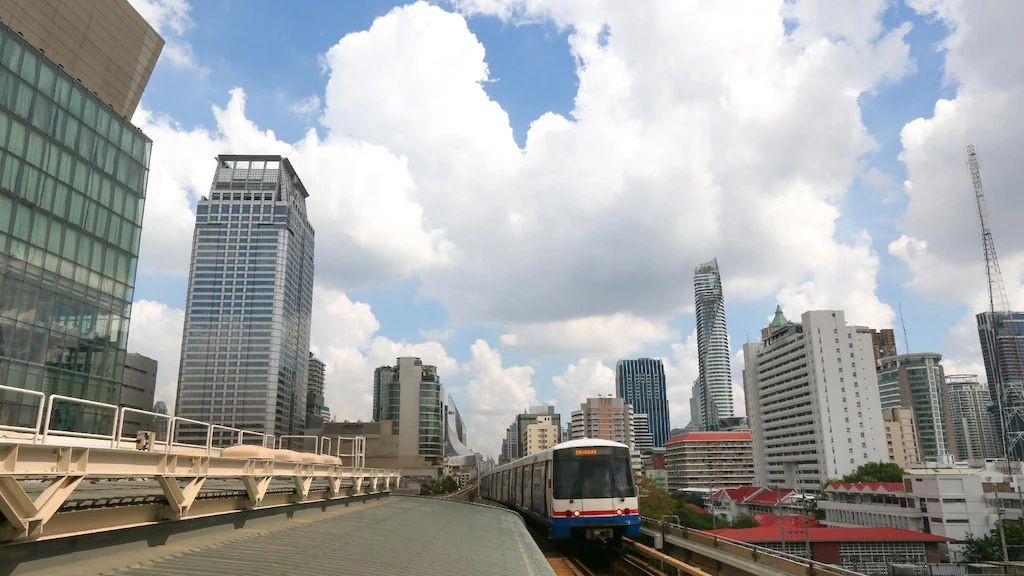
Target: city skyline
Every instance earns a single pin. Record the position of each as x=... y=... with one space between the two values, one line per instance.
x=832 y=223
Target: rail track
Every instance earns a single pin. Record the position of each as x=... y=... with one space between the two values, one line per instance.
x=569 y=560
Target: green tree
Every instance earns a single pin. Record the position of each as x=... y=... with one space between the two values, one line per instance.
x=876 y=472
x=654 y=500
x=744 y=521
x=988 y=547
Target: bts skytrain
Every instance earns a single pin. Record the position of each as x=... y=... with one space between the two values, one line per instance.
x=581 y=489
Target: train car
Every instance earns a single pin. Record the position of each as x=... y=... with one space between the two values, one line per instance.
x=581 y=489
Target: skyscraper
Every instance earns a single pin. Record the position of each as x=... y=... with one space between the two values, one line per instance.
x=604 y=418
x=245 y=351
x=316 y=411
x=715 y=380
x=454 y=431
x=73 y=174
x=138 y=391
x=977 y=433
x=641 y=383
x=1002 y=348
x=916 y=381
x=812 y=400
x=884 y=343
x=410 y=395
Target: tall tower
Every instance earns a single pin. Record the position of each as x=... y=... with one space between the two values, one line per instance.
x=409 y=394
x=641 y=383
x=245 y=351
x=715 y=380
x=73 y=172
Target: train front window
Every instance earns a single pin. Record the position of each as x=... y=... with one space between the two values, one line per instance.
x=592 y=472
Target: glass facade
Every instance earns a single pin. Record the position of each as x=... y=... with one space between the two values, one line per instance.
x=916 y=381
x=714 y=383
x=72 y=190
x=245 y=351
x=641 y=383
x=1002 y=348
x=410 y=395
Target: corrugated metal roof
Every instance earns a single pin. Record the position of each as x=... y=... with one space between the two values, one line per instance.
x=400 y=536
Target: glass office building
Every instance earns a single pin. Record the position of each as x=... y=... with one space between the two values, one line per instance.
x=641 y=382
x=917 y=381
x=1002 y=348
x=409 y=394
x=72 y=190
x=245 y=351
x=714 y=383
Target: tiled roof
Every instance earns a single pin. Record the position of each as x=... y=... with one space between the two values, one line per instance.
x=868 y=487
x=736 y=494
x=829 y=534
x=769 y=496
x=743 y=435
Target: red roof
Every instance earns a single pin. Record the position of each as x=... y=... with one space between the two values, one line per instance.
x=789 y=521
x=770 y=496
x=828 y=534
x=736 y=494
x=869 y=486
x=709 y=437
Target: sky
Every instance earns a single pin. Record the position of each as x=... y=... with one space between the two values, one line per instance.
x=518 y=191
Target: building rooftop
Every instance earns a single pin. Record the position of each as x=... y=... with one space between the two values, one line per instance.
x=710 y=437
x=398 y=535
x=868 y=487
x=828 y=534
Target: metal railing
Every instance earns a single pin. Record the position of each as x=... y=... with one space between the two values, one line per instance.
x=45 y=432
x=39 y=412
x=755 y=553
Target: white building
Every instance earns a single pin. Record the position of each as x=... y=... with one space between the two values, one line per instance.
x=542 y=434
x=812 y=400
x=709 y=460
x=977 y=432
x=873 y=504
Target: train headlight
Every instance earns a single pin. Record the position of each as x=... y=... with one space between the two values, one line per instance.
x=576 y=513
x=618 y=512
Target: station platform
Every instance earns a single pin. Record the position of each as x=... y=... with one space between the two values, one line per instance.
x=390 y=535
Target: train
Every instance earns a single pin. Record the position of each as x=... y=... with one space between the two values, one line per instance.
x=579 y=490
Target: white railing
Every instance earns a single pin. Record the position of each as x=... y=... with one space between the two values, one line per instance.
x=43 y=433
x=39 y=412
x=72 y=433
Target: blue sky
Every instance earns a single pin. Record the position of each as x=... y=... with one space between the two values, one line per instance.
x=534 y=69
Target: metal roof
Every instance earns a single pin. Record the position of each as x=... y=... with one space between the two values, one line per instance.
x=402 y=535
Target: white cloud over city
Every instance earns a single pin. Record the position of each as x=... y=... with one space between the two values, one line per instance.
x=690 y=137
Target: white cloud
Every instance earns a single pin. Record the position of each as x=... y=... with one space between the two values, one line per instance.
x=494 y=395
x=340 y=322
x=586 y=378
x=306 y=108
x=616 y=335
x=155 y=331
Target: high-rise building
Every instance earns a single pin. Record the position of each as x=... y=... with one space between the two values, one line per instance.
x=812 y=400
x=409 y=394
x=709 y=460
x=715 y=380
x=1002 y=348
x=137 y=391
x=245 y=351
x=977 y=433
x=73 y=174
x=541 y=434
x=530 y=416
x=510 y=443
x=605 y=419
x=642 y=437
x=901 y=436
x=455 y=431
x=160 y=407
x=917 y=381
x=641 y=383
x=316 y=410
x=883 y=342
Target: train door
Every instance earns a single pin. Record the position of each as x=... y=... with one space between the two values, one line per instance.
x=539 y=502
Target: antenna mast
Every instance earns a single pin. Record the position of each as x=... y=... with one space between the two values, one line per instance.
x=1009 y=388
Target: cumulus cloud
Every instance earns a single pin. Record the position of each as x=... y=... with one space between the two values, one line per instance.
x=306 y=108
x=494 y=395
x=940 y=240
x=615 y=335
x=155 y=332
x=172 y=20
x=586 y=378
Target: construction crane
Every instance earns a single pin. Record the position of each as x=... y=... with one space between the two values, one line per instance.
x=1009 y=392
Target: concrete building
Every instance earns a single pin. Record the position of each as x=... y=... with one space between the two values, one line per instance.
x=317 y=411
x=409 y=395
x=73 y=175
x=541 y=434
x=514 y=445
x=883 y=342
x=605 y=419
x=714 y=384
x=949 y=501
x=732 y=503
x=1002 y=348
x=709 y=460
x=383 y=447
x=245 y=351
x=641 y=383
x=917 y=381
x=137 y=391
x=974 y=420
x=812 y=400
x=901 y=436
x=104 y=44
x=643 y=440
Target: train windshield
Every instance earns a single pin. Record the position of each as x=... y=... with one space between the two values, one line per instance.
x=592 y=472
